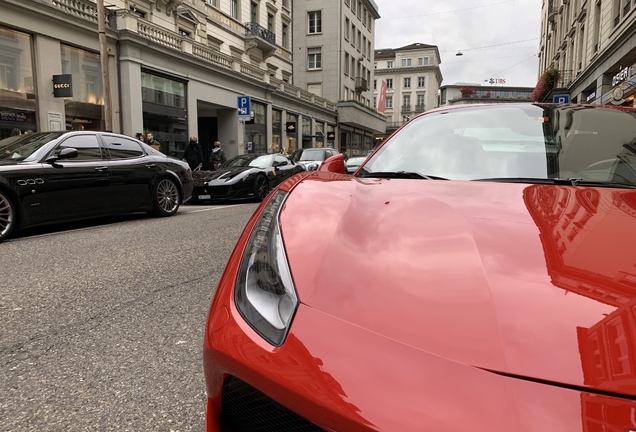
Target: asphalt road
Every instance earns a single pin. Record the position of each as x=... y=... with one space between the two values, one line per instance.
x=102 y=323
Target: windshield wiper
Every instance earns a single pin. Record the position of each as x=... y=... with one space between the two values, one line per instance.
x=530 y=180
x=558 y=181
x=584 y=182
x=401 y=175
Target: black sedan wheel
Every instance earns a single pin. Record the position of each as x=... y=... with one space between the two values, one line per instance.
x=165 y=197
x=261 y=188
x=7 y=216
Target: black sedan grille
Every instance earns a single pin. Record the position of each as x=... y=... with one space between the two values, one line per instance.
x=245 y=409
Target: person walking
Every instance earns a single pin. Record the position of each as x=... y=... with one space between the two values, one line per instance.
x=218 y=156
x=193 y=154
x=152 y=142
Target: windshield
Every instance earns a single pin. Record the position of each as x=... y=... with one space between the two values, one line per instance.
x=249 y=161
x=308 y=155
x=21 y=147
x=515 y=141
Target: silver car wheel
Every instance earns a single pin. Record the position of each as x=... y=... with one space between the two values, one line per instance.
x=168 y=196
x=7 y=216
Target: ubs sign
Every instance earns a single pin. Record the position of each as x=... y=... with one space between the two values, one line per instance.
x=63 y=85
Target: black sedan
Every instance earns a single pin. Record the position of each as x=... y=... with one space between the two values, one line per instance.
x=249 y=176
x=51 y=177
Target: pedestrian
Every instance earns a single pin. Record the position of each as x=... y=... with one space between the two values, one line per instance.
x=282 y=151
x=346 y=156
x=140 y=137
x=28 y=132
x=193 y=154
x=152 y=142
x=15 y=132
x=218 y=156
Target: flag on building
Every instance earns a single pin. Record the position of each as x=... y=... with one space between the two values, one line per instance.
x=382 y=99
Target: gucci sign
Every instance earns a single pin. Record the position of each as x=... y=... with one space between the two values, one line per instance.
x=63 y=85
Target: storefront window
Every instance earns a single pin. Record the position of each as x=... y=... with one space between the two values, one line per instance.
x=320 y=139
x=164 y=110
x=331 y=135
x=276 y=130
x=257 y=133
x=84 y=111
x=307 y=142
x=291 y=122
x=17 y=92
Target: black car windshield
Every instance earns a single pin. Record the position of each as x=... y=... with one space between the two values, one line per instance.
x=308 y=155
x=249 y=161
x=515 y=142
x=22 y=147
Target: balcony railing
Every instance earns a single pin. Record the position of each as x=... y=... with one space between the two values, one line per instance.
x=361 y=84
x=419 y=108
x=565 y=79
x=406 y=108
x=255 y=29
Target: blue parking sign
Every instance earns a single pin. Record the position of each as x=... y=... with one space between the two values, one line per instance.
x=561 y=99
x=244 y=107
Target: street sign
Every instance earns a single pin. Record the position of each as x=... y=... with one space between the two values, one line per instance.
x=244 y=107
x=561 y=99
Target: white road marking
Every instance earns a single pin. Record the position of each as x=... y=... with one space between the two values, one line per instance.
x=212 y=208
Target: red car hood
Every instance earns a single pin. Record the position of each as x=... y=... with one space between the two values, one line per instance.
x=531 y=280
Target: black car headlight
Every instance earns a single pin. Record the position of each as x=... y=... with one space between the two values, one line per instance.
x=265 y=295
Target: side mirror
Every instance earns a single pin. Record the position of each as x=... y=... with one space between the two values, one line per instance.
x=67 y=153
x=279 y=163
x=334 y=164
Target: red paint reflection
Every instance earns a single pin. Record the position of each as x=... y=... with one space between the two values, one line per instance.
x=579 y=228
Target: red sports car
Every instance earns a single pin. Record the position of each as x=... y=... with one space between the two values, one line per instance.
x=477 y=273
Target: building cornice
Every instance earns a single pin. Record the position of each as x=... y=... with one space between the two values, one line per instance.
x=411 y=70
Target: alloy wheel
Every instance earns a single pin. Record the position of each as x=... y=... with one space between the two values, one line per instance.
x=261 y=188
x=168 y=196
x=7 y=216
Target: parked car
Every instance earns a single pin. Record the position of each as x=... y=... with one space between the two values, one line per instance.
x=478 y=270
x=353 y=163
x=249 y=176
x=51 y=177
x=311 y=158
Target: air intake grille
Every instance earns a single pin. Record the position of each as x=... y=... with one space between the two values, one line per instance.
x=245 y=409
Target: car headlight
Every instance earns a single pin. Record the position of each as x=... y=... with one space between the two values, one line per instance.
x=265 y=295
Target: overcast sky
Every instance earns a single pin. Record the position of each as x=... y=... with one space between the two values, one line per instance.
x=470 y=26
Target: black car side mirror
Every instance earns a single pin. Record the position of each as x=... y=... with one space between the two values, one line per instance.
x=67 y=153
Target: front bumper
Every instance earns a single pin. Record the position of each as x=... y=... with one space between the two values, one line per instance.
x=341 y=377
x=222 y=192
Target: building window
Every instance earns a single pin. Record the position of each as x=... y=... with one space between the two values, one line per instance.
x=270 y=22
x=234 y=9
x=375 y=102
x=406 y=62
x=285 y=41
x=346 y=64
x=389 y=83
x=420 y=82
x=375 y=84
x=407 y=82
x=185 y=33
x=254 y=12
x=420 y=101
x=389 y=64
x=347 y=24
x=314 y=58
x=375 y=65
x=142 y=14
x=315 y=22
x=422 y=61
x=406 y=101
x=389 y=102
x=359 y=41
